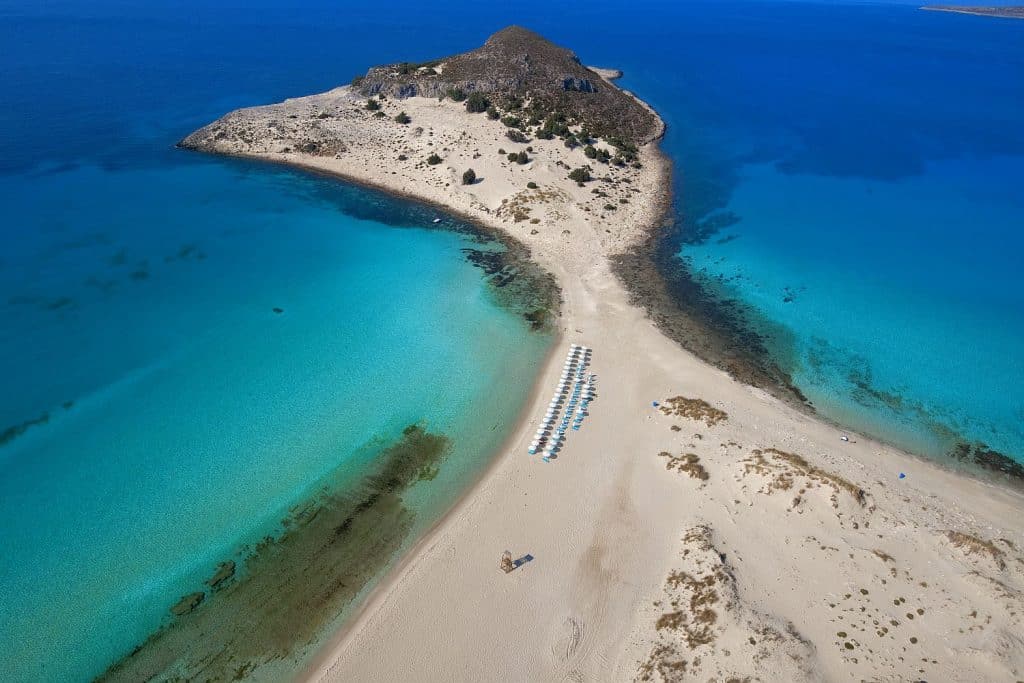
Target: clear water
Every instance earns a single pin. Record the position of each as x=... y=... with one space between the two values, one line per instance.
x=870 y=151
x=871 y=157
x=170 y=414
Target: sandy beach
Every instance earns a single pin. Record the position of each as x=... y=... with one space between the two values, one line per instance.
x=722 y=536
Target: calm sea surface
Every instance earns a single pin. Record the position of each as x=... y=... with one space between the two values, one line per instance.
x=865 y=160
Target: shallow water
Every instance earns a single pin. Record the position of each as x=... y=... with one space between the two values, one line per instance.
x=192 y=347
x=848 y=175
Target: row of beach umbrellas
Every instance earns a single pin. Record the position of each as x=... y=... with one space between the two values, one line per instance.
x=572 y=395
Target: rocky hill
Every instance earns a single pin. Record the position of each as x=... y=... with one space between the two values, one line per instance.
x=520 y=70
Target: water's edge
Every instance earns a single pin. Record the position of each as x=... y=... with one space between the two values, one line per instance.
x=339 y=543
x=724 y=333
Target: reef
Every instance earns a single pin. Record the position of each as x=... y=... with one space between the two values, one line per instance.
x=993 y=461
x=295 y=584
x=14 y=431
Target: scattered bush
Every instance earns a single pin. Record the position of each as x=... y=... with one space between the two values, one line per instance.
x=626 y=149
x=493 y=114
x=580 y=175
x=402 y=117
x=513 y=103
x=501 y=151
x=469 y=177
x=378 y=114
x=434 y=160
x=372 y=105
x=357 y=81
x=531 y=185
x=512 y=121
x=545 y=134
x=457 y=94
x=516 y=135
x=402 y=157
x=571 y=142
x=477 y=102
x=590 y=151
x=522 y=158
x=512 y=156
x=609 y=207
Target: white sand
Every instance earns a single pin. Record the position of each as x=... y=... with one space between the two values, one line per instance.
x=753 y=572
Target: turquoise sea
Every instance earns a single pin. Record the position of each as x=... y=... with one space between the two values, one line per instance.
x=863 y=162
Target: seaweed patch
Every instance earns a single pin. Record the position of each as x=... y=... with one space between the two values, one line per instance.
x=242 y=622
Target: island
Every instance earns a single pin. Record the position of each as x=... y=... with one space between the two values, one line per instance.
x=696 y=527
x=1003 y=12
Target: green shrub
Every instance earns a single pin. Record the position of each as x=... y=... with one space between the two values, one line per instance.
x=372 y=105
x=477 y=102
x=434 y=160
x=402 y=117
x=513 y=103
x=580 y=175
x=493 y=114
x=501 y=151
x=512 y=156
x=512 y=121
x=571 y=142
x=590 y=151
x=379 y=114
x=545 y=134
x=522 y=158
x=357 y=81
x=516 y=135
x=469 y=177
x=609 y=207
x=531 y=185
x=457 y=94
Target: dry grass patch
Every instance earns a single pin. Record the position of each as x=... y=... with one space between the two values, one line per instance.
x=782 y=468
x=693 y=409
x=688 y=463
x=972 y=545
x=518 y=206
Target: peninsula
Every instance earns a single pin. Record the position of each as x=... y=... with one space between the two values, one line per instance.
x=1003 y=12
x=696 y=526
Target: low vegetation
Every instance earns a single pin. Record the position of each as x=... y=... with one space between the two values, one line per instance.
x=692 y=408
x=580 y=175
x=477 y=103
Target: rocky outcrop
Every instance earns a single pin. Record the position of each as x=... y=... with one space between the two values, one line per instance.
x=516 y=62
x=187 y=604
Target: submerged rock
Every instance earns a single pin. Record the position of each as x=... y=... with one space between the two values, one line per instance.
x=225 y=570
x=187 y=603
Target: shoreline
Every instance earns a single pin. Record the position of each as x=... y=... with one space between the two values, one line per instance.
x=994 y=12
x=659 y=305
x=604 y=520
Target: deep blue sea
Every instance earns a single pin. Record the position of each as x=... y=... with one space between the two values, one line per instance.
x=158 y=412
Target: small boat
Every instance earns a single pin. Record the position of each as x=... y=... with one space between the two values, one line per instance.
x=437 y=220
